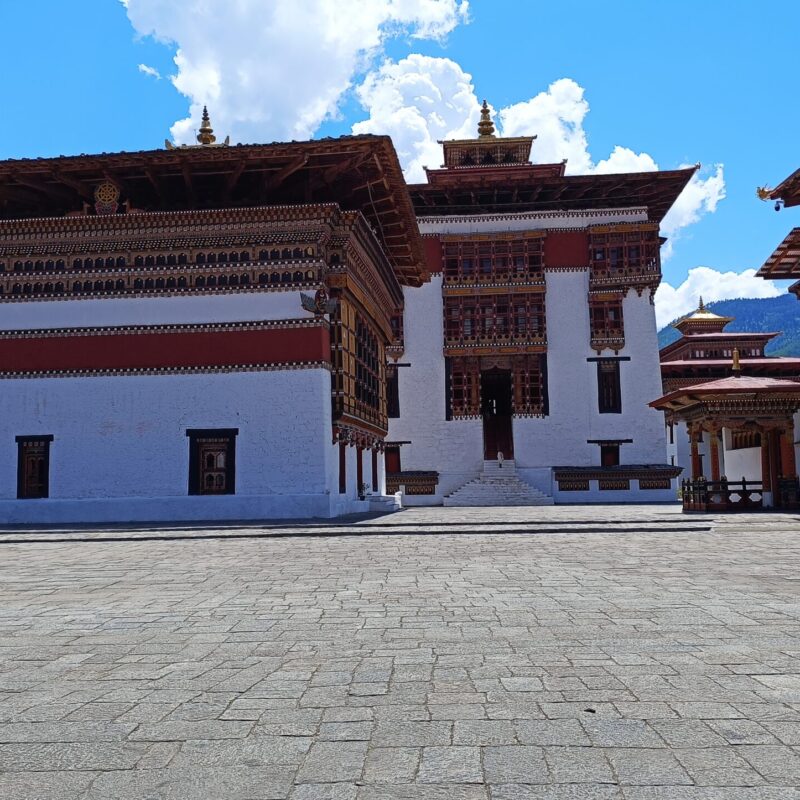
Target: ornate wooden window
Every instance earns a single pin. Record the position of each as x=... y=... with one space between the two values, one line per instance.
x=494 y=318
x=464 y=387
x=359 y=378
x=624 y=251
x=529 y=380
x=608 y=386
x=605 y=316
x=212 y=460
x=493 y=260
x=392 y=458
x=744 y=439
x=33 y=466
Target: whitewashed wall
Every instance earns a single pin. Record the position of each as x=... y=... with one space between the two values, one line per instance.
x=455 y=448
x=176 y=310
x=120 y=451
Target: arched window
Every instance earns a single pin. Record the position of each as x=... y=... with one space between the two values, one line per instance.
x=298 y=277
x=159 y=283
x=245 y=279
x=222 y=280
x=286 y=277
x=59 y=287
x=274 y=255
x=37 y=288
x=233 y=280
x=170 y=283
x=310 y=251
x=76 y=287
x=310 y=275
x=29 y=266
x=17 y=266
x=233 y=257
x=49 y=264
x=87 y=286
x=120 y=261
x=149 y=261
x=60 y=264
x=171 y=259
x=16 y=288
x=110 y=263
x=200 y=258
x=182 y=258
x=27 y=289
x=286 y=253
x=212 y=280
x=161 y=260
x=200 y=281
x=98 y=263
x=274 y=278
x=182 y=281
x=109 y=286
x=39 y=266
x=138 y=285
x=119 y=285
x=297 y=253
x=48 y=288
x=263 y=255
x=138 y=261
x=98 y=286
x=244 y=256
x=212 y=258
x=148 y=284
x=262 y=278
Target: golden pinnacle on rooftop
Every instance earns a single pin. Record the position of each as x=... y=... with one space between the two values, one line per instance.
x=485 y=126
x=206 y=134
x=702 y=306
x=736 y=367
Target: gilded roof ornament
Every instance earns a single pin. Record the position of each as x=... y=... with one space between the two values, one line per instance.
x=485 y=126
x=736 y=366
x=763 y=192
x=205 y=135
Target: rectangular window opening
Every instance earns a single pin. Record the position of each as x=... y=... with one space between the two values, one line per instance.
x=608 y=387
x=212 y=460
x=33 y=467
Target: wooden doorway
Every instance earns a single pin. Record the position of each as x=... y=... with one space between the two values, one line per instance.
x=496 y=409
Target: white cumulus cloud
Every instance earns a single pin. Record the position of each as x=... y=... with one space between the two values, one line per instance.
x=710 y=284
x=146 y=69
x=418 y=101
x=276 y=69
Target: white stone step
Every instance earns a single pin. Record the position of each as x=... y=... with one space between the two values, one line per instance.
x=497 y=486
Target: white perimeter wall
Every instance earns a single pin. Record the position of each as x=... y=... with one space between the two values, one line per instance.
x=120 y=450
x=455 y=448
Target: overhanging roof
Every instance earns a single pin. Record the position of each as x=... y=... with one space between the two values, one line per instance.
x=360 y=173
x=785 y=261
x=498 y=191
x=744 y=386
x=788 y=190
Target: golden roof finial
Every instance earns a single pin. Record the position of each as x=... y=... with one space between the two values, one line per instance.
x=702 y=306
x=485 y=126
x=736 y=366
x=206 y=134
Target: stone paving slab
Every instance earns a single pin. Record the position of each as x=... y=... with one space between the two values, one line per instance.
x=568 y=653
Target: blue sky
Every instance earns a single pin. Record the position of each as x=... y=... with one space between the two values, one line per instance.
x=681 y=82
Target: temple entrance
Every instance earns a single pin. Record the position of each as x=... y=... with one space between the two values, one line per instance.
x=496 y=409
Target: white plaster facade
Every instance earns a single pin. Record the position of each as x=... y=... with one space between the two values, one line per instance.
x=120 y=451
x=454 y=448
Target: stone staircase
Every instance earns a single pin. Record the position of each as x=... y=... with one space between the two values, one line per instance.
x=497 y=486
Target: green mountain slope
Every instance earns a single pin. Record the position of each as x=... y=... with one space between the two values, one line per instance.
x=757 y=314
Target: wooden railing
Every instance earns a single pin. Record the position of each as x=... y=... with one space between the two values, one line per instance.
x=722 y=495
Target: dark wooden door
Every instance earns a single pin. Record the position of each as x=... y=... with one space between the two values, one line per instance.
x=496 y=410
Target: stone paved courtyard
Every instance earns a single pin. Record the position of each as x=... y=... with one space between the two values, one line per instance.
x=442 y=654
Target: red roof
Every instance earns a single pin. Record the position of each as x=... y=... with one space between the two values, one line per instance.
x=744 y=384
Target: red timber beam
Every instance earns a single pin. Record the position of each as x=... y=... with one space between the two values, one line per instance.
x=227 y=347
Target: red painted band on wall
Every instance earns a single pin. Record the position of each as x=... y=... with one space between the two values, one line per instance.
x=165 y=349
x=566 y=249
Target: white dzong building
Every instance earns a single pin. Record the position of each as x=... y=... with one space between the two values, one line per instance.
x=535 y=339
x=289 y=330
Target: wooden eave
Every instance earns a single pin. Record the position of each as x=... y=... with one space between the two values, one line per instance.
x=360 y=173
x=785 y=260
x=732 y=338
x=478 y=191
x=788 y=190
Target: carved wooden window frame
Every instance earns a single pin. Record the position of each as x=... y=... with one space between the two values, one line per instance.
x=203 y=444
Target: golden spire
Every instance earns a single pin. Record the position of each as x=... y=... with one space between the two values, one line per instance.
x=736 y=366
x=206 y=134
x=485 y=126
x=702 y=306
